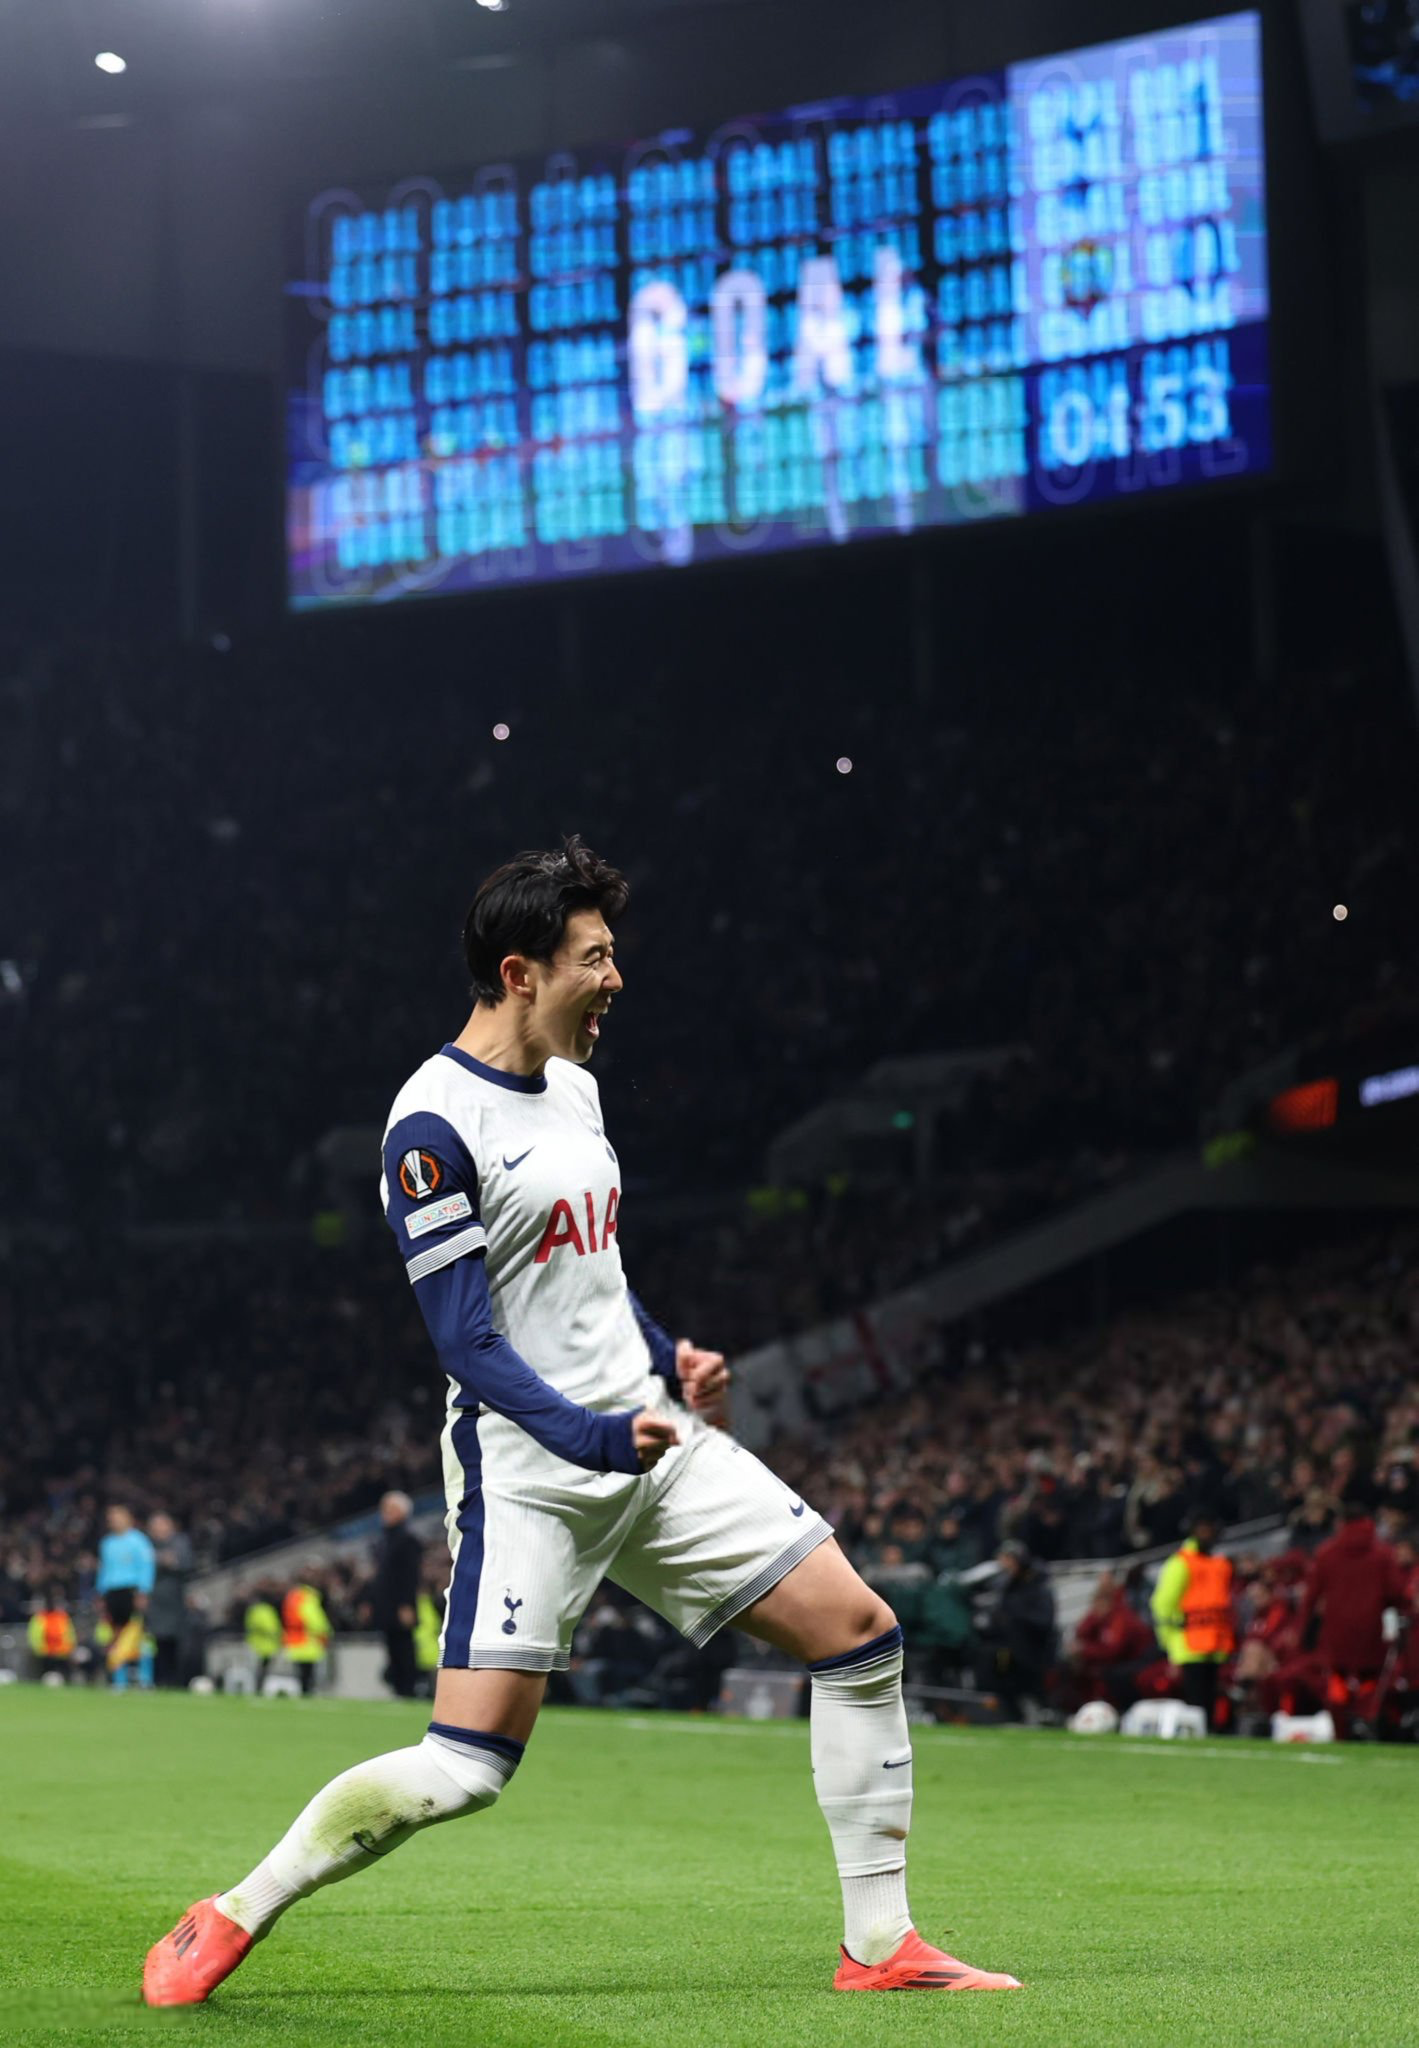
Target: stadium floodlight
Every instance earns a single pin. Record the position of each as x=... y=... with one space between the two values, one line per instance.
x=109 y=61
x=493 y=6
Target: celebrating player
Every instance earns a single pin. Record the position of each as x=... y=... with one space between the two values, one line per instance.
x=562 y=1467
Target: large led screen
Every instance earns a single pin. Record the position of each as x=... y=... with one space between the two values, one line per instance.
x=1039 y=287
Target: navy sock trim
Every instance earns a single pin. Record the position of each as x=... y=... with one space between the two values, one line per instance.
x=475 y=1738
x=880 y=1646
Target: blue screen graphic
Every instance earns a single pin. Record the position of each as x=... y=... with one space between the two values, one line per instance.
x=1033 y=288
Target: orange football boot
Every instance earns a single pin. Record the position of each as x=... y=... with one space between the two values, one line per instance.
x=187 y=1965
x=916 y=1966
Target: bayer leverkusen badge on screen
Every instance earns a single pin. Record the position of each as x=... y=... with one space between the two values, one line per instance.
x=421 y=1175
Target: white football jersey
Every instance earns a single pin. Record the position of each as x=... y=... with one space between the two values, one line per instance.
x=478 y=1162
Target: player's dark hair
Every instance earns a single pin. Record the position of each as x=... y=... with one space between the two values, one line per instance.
x=524 y=905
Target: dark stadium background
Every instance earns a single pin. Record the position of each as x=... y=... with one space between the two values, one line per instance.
x=1112 y=774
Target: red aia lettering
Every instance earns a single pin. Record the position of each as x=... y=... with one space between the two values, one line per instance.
x=562 y=1227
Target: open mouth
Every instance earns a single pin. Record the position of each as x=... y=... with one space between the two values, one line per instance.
x=591 y=1023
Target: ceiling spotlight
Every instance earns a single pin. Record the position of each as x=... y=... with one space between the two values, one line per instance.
x=107 y=61
x=493 y=6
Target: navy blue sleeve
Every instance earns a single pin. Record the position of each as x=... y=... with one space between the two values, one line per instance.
x=660 y=1346
x=458 y=1310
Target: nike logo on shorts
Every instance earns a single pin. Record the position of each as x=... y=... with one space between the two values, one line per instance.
x=899 y=1765
x=799 y=1509
x=509 y=1164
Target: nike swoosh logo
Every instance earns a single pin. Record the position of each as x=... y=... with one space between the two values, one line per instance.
x=900 y=1764
x=799 y=1509
x=509 y=1164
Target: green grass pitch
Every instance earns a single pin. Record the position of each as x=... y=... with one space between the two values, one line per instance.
x=666 y=1881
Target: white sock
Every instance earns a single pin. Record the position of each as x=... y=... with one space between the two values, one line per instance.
x=862 y=1773
x=368 y=1811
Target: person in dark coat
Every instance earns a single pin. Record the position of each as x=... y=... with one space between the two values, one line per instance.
x=167 y=1603
x=394 y=1592
x=1018 y=1633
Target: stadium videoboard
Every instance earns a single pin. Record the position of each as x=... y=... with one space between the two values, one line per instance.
x=1036 y=287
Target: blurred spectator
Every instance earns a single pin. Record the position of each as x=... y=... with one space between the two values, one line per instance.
x=305 y=1630
x=172 y=1560
x=1314 y=1520
x=1268 y=1604
x=1044 y=1529
x=1353 y=1580
x=898 y=1578
x=684 y=1679
x=1156 y=1509
x=262 y=1628
x=1112 y=1646
x=1398 y=1486
x=394 y=1592
x=939 y=1631
x=1017 y=1635
x=428 y=1626
x=1406 y=1553
x=613 y=1651
x=1192 y=1612
x=951 y=1550
x=51 y=1637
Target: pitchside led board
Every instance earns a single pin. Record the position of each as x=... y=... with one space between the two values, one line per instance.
x=1040 y=287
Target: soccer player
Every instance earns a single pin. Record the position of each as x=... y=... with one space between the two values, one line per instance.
x=562 y=1466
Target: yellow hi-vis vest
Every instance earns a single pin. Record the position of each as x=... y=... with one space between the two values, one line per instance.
x=51 y=1633
x=307 y=1627
x=262 y=1627
x=426 y=1633
x=1192 y=1607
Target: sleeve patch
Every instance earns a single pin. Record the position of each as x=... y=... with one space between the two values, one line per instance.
x=421 y=1174
x=419 y=1222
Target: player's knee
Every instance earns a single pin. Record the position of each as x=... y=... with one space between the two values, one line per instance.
x=477 y=1764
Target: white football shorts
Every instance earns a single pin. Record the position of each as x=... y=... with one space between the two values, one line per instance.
x=706 y=1533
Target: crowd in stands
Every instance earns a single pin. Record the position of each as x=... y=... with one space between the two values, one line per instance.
x=1260 y=1400
x=1279 y=1398
x=234 y=882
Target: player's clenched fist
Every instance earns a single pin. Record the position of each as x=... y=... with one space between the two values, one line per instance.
x=704 y=1380
x=653 y=1435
